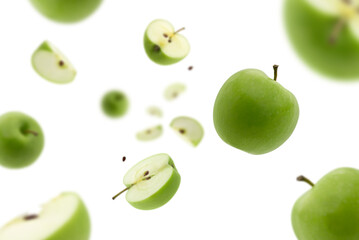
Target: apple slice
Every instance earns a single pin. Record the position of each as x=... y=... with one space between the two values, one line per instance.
x=163 y=44
x=65 y=217
x=150 y=133
x=155 y=111
x=189 y=129
x=52 y=65
x=151 y=183
x=174 y=90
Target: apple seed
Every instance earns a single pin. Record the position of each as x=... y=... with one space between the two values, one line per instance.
x=30 y=217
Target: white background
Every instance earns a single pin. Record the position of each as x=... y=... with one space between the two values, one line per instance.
x=225 y=193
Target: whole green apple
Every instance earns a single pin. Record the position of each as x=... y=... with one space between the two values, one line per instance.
x=326 y=35
x=115 y=104
x=21 y=140
x=66 y=10
x=329 y=210
x=64 y=217
x=163 y=44
x=151 y=183
x=254 y=113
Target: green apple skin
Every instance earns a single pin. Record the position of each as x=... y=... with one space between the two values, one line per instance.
x=156 y=54
x=79 y=227
x=330 y=209
x=19 y=148
x=309 y=30
x=66 y=11
x=115 y=104
x=254 y=113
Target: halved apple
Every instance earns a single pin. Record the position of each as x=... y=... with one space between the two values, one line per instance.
x=152 y=182
x=150 y=133
x=174 y=90
x=52 y=65
x=65 y=217
x=163 y=44
x=189 y=129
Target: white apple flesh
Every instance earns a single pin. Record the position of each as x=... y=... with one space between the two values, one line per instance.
x=189 y=129
x=150 y=133
x=174 y=90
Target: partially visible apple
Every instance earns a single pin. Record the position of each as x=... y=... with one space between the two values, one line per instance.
x=151 y=183
x=67 y=11
x=52 y=65
x=21 y=140
x=254 y=113
x=163 y=44
x=115 y=103
x=63 y=218
x=325 y=34
x=329 y=210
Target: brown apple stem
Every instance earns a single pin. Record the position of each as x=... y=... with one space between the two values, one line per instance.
x=31 y=132
x=179 y=30
x=338 y=27
x=275 y=67
x=301 y=178
x=118 y=194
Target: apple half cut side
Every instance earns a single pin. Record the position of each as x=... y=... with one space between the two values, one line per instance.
x=152 y=182
x=52 y=65
x=64 y=217
x=163 y=44
x=150 y=133
x=189 y=129
x=174 y=90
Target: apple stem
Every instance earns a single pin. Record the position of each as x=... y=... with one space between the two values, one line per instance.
x=31 y=132
x=275 y=67
x=301 y=178
x=336 y=31
x=179 y=30
x=118 y=194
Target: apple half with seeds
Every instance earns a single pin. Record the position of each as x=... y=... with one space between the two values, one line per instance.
x=163 y=44
x=64 y=217
x=150 y=133
x=189 y=129
x=151 y=183
x=52 y=65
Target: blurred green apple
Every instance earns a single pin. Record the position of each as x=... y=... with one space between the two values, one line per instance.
x=52 y=65
x=21 y=140
x=325 y=33
x=64 y=217
x=115 y=104
x=151 y=183
x=67 y=11
x=329 y=210
x=254 y=113
x=163 y=44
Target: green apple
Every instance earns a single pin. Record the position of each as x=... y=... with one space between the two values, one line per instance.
x=163 y=44
x=189 y=129
x=151 y=183
x=21 y=140
x=329 y=210
x=150 y=133
x=52 y=65
x=254 y=113
x=174 y=90
x=115 y=104
x=155 y=111
x=64 y=217
x=67 y=11
x=325 y=33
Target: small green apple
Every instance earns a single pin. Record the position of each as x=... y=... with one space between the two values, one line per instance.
x=163 y=44
x=21 y=140
x=150 y=133
x=66 y=11
x=52 y=65
x=254 y=113
x=174 y=90
x=64 y=217
x=329 y=210
x=189 y=129
x=155 y=111
x=115 y=104
x=325 y=33
x=151 y=183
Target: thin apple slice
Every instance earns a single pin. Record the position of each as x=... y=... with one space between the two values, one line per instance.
x=174 y=90
x=155 y=111
x=65 y=217
x=189 y=129
x=150 y=133
x=52 y=65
